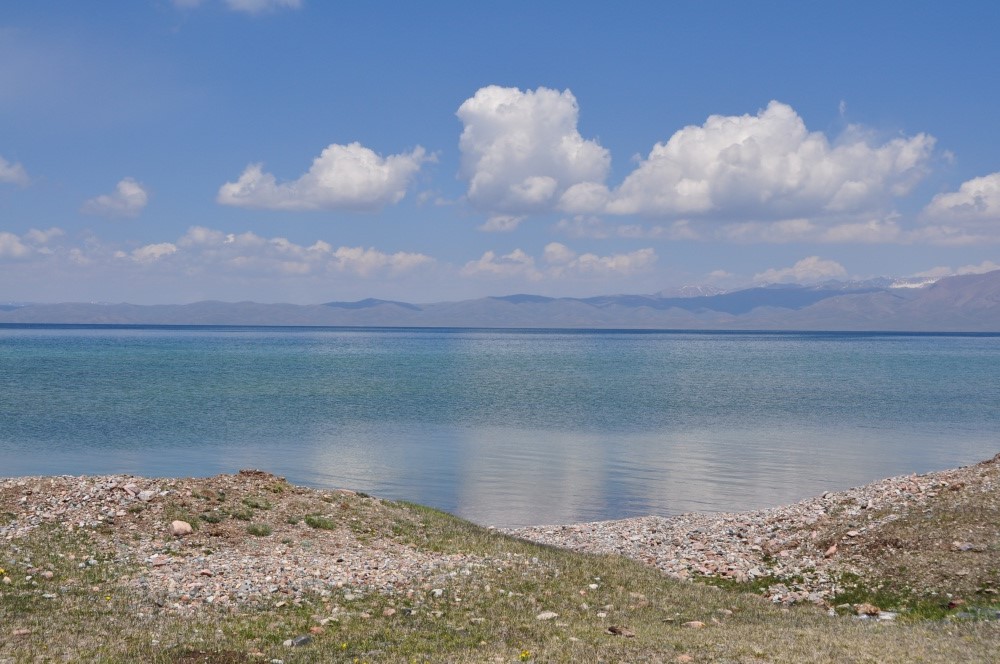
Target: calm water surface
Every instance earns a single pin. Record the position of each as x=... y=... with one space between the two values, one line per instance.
x=502 y=427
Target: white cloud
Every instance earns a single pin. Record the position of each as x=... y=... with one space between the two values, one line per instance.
x=245 y=6
x=769 y=166
x=502 y=223
x=11 y=246
x=260 y=6
x=249 y=252
x=153 y=252
x=128 y=200
x=515 y=264
x=806 y=270
x=583 y=226
x=564 y=260
x=41 y=238
x=982 y=268
x=976 y=201
x=864 y=232
x=13 y=173
x=559 y=261
x=33 y=243
x=342 y=177
x=521 y=151
x=941 y=271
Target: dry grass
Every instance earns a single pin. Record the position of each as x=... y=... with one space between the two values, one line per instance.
x=91 y=613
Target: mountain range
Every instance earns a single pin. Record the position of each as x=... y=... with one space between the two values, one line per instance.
x=967 y=303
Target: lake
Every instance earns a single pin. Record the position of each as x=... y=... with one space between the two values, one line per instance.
x=503 y=427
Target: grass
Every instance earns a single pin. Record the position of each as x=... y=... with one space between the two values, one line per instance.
x=320 y=522
x=486 y=610
x=259 y=529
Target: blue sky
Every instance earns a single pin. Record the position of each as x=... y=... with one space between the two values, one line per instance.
x=303 y=151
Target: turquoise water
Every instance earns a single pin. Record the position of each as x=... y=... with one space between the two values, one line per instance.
x=502 y=427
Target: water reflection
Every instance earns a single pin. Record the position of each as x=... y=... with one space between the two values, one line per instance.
x=512 y=477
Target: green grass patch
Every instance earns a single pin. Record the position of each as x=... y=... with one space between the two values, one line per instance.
x=259 y=529
x=320 y=522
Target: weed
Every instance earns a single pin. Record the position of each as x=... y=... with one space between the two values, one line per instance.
x=259 y=529
x=320 y=522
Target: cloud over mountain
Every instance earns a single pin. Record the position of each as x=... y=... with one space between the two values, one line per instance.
x=769 y=166
x=350 y=177
x=521 y=150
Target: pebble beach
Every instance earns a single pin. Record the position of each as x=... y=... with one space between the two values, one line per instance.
x=803 y=548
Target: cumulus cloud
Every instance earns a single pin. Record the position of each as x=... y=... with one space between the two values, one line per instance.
x=11 y=246
x=806 y=270
x=153 y=252
x=33 y=243
x=521 y=150
x=564 y=261
x=515 y=264
x=769 y=166
x=976 y=201
x=252 y=252
x=342 y=177
x=502 y=223
x=522 y=153
x=128 y=200
x=13 y=173
x=559 y=261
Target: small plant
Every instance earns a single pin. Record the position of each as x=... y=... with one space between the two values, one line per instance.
x=211 y=517
x=259 y=529
x=242 y=515
x=293 y=520
x=320 y=522
x=256 y=503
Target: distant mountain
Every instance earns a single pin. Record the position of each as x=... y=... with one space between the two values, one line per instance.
x=969 y=303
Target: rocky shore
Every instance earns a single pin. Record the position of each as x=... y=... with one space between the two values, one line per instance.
x=798 y=552
x=229 y=540
x=253 y=538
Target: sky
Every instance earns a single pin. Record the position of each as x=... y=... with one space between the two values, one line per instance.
x=307 y=151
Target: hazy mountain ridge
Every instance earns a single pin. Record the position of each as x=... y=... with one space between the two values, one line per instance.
x=968 y=303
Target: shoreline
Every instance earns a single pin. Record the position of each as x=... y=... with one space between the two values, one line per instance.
x=813 y=542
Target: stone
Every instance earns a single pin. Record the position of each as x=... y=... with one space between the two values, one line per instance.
x=621 y=631
x=180 y=528
x=298 y=641
x=683 y=659
x=693 y=624
x=389 y=612
x=829 y=552
x=546 y=615
x=147 y=495
x=866 y=609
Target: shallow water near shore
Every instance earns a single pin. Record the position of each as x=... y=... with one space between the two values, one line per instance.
x=502 y=427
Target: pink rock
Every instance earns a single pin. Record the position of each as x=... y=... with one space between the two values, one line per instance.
x=180 y=528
